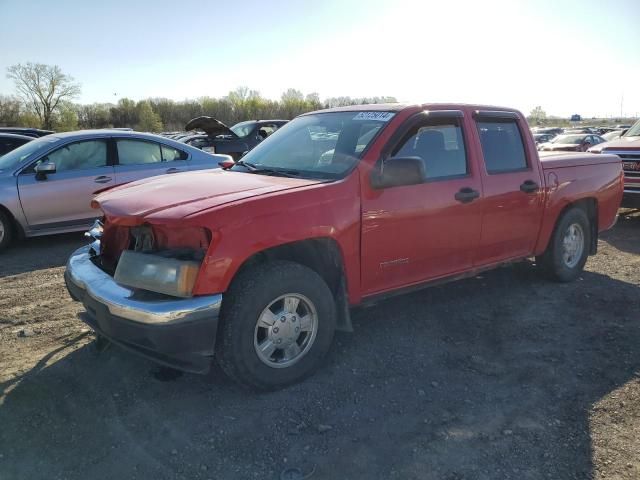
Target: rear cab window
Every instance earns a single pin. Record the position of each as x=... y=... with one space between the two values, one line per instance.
x=502 y=145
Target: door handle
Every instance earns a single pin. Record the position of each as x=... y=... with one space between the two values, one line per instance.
x=466 y=195
x=172 y=170
x=103 y=179
x=529 y=186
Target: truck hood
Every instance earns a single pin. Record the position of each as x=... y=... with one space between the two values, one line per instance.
x=210 y=126
x=173 y=197
x=622 y=143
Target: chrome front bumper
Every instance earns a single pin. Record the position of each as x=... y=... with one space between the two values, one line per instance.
x=137 y=306
x=179 y=332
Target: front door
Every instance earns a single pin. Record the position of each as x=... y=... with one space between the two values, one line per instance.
x=416 y=233
x=63 y=199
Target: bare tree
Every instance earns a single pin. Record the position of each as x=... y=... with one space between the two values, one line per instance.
x=42 y=87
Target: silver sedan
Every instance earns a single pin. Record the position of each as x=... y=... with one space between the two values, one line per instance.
x=46 y=185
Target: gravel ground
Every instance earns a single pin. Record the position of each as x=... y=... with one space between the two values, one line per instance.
x=504 y=376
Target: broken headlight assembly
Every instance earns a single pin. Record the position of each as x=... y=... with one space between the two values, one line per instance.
x=157 y=273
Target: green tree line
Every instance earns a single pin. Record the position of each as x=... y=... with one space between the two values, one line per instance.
x=163 y=114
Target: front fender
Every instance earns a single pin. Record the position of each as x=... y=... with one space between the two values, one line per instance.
x=326 y=210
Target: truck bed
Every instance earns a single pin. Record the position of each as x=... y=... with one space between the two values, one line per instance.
x=553 y=160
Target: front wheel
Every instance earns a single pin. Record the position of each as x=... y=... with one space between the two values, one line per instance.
x=6 y=230
x=568 y=248
x=278 y=321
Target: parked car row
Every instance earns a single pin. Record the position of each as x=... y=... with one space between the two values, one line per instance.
x=570 y=143
x=573 y=139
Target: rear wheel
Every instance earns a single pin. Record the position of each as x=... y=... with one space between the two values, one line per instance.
x=568 y=248
x=278 y=321
x=6 y=230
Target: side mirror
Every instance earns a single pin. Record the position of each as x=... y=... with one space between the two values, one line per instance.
x=45 y=168
x=398 y=171
x=227 y=163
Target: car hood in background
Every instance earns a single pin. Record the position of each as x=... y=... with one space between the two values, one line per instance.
x=172 y=197
x=210 y=126
x=622 y=143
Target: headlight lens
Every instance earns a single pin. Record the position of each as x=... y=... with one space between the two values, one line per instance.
x=157 y=274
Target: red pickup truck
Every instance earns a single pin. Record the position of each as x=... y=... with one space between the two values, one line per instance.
x=627 y=148
x=260 y=262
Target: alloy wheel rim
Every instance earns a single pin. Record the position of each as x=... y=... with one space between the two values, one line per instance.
x=285 y=330
x=572 y=245
x=2 y=231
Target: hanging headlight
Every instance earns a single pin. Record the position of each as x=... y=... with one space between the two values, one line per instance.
x=156 y=273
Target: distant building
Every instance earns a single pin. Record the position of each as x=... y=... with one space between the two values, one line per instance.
x=576 y=118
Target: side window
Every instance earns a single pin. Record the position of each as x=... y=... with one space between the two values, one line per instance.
x=170 y=154
x=138 y=152
x=440 y=145
x=502 y=146
x=265 y=130
x=199 y=142
x=79 y=156
x=6 y=146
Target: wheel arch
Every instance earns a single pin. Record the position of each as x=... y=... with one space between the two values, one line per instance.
x=324 y=256
x=590 y=206
x=17 y=228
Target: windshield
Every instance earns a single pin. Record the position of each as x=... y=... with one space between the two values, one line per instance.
x=12 y=159
x=322 y=145
x=568 y=139
x=634 y=131
x=243 y=129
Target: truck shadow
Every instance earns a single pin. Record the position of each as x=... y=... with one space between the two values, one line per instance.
x=492 y=377
x=626 y=234
x=30 y=254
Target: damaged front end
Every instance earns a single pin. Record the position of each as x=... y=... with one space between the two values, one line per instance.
x=136 y=282
x=156 y=258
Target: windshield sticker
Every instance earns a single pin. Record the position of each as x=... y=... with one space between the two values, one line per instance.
x=379 y=116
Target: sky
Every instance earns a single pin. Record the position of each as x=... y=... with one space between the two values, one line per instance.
x=565 y=56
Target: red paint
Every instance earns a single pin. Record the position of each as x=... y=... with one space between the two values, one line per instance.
x=388 y=238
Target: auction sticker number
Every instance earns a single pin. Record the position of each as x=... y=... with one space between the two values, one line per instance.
x=379 y=116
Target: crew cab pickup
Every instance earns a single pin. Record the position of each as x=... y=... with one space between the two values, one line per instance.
x=627 y=147
x=257 y=264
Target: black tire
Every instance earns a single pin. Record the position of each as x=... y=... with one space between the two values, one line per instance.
x=249 y=295
x=6 y=231
x=552 y=260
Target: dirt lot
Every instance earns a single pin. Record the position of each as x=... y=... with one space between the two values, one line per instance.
x=501 y=376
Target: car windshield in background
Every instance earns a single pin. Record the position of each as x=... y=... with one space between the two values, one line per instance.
x=243 y=129
x=12 y=159
x=634 y=131
x=568 y=139
x=322 y=145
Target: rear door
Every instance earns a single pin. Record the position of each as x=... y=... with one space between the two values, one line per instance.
x=416 y=233
x=63 y=199
x=512 y=204
x=137 y=159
